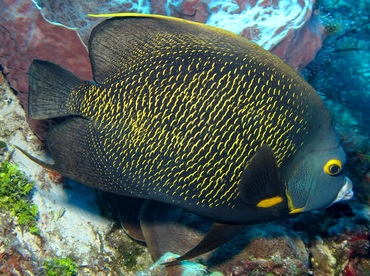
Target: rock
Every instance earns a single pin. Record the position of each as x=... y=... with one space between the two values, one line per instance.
x=322 y=259
x=25 y=35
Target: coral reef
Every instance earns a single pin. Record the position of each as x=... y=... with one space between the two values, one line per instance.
x=338 y=238
x=183 y=269
x=297 y=37
x=26 y=35
x=15 y=258
x=129 y=255
x=322 y=259
x=307 y=39
x=250 y=18
x=2 y=79
x=270 y=266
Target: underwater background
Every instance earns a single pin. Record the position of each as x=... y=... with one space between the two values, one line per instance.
x=51 y=226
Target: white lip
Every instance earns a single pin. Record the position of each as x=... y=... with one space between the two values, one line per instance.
x=346 y=192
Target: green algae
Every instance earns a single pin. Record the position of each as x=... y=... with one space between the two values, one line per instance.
x=15 y=190
x=60 y=266
x=129 y=252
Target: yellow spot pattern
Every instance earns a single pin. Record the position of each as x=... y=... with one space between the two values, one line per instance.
x=184 y=123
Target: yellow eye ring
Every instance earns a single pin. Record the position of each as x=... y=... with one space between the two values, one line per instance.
x=333 y=167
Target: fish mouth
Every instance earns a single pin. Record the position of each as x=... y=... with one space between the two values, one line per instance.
x=345 y=192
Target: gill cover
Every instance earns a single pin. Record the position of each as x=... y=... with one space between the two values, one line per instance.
x=317 y=181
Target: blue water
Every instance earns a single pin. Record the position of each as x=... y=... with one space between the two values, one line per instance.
x=341 y=70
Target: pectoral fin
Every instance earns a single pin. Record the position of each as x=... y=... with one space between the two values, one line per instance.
x=217 y=235
x=260 y=185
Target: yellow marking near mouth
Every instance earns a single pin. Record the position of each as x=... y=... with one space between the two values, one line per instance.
x=292 y=209
x=295 y=211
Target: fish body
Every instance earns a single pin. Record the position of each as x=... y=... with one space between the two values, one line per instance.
x=193 y=116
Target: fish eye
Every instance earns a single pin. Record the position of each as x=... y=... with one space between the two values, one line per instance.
x=333 y=167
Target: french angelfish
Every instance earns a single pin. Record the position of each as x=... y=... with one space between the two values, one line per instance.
x=193 y=116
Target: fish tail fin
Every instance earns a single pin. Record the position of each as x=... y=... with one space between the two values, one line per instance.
x=50 y=87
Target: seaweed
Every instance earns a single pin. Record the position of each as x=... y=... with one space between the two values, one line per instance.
x=60 y=266
x=15 y=190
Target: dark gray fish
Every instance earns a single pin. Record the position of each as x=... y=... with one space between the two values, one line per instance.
x=193 y=116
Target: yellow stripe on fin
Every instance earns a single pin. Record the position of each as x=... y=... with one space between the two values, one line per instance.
x=164 y=17
x=133 y=14
x=269 y=202
x=146 y=15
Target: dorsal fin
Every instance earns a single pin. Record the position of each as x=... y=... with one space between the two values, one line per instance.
x=119 y=42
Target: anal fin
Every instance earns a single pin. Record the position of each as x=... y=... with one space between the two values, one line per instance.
x=69 y=144
x=217 y=235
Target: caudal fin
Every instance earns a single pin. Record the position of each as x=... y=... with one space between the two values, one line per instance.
x=50 y=87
